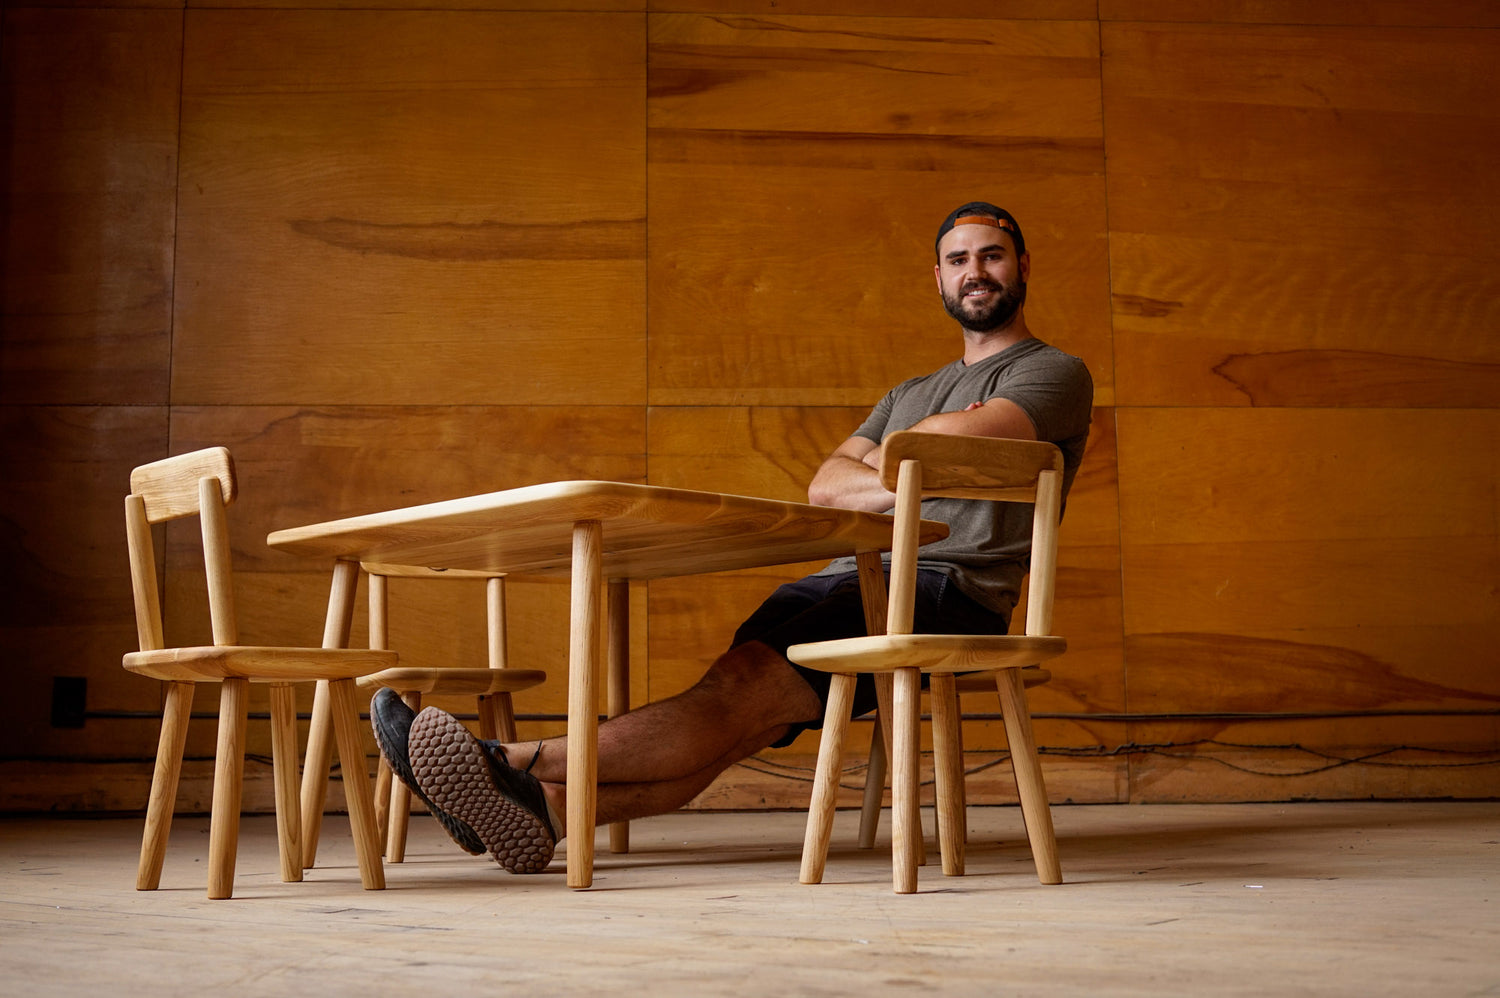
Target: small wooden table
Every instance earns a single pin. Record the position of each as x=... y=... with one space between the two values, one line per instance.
x=595 y=533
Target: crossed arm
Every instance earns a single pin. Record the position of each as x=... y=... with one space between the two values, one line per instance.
x=850 y=477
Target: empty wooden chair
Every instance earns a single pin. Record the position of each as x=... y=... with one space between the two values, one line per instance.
x=202 y=483
x=491 y=687
x=915 y=466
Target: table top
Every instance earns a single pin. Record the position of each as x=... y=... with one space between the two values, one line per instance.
x=648 y=531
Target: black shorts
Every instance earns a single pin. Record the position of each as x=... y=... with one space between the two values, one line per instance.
x=823 y=607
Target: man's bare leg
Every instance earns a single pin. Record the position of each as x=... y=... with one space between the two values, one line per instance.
x=660 y=756
x=627 y=801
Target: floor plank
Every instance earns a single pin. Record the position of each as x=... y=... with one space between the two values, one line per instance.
x=1335 y=898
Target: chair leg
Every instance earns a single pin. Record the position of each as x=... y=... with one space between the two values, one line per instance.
x=163 y=800
x=820 y=809
x=284 y=769
x=315 y=774
x=398 y=802
x=383 y=780
x=489 y=727
x=229 y=779
x=1028 y=769
x=617 y=686
x=503 y=708
x=356 y=783
x=949 y=774
x=875 y=771
x=961 y=788
x=884 y=687
x=906 y=781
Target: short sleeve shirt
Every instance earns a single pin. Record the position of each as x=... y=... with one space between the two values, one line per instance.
x=987 y=550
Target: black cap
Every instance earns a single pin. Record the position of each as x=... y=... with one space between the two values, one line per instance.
x=982 y=213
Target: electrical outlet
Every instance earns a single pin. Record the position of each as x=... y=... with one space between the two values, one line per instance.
x=69 y=700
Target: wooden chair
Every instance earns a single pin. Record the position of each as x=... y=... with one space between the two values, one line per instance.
x=918 y=465
x=203 y=484
x=490 y=686
x=876 y=765
x=876 y=768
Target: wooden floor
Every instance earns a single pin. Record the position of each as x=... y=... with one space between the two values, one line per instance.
x=1346 y=899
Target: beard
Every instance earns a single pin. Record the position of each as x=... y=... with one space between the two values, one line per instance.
x=999 y=312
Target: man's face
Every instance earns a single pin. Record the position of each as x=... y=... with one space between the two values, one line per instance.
x=982 y=281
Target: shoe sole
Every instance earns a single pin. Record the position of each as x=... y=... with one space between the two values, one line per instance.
x=453 y=770
x=401 y=768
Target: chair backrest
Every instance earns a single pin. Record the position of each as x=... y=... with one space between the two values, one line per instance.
x=200 y=484
x=919 y=465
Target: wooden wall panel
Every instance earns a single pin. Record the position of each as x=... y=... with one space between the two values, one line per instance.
x=799 y=168
x=90 y=123
x=509 y=6
x=1070 y=10
x=1310 y=560
x=1385 y=13
x=65 y=589
x=1396 y=756
x=1303 y=216
x=462 y=222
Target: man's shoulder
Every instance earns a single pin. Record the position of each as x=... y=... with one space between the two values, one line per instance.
x=948 y=371
x=1034 y=355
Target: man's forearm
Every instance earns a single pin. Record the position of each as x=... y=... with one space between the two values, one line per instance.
x=850 y=484
x=997 y=418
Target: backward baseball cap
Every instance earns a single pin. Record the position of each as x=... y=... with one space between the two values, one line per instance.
x=981 y=213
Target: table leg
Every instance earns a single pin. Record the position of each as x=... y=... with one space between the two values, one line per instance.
x=585 y=647
x=618 y=686
x=319 y=741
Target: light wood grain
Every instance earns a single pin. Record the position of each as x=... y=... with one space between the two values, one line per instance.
x=454 y=197
x=653 y=531
x=1393 y=13
x=1309 y=550
x=585 y=654
x=90 y=196
x=1357 y=136
x=698 y=880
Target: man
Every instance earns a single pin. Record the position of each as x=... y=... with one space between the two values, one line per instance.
x=652 y=760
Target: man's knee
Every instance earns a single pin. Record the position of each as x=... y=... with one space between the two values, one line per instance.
x=753 y=672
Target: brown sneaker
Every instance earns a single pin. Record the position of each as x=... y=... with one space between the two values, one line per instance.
x=473 y=783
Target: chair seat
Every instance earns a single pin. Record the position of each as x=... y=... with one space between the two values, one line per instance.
x=929 y=652
x=453 y=681
x=212 y=663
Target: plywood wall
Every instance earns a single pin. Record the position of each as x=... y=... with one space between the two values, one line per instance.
x=390 y=255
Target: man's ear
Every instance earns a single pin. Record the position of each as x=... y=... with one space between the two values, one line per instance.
x=937 y=275
x=1025 y=262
